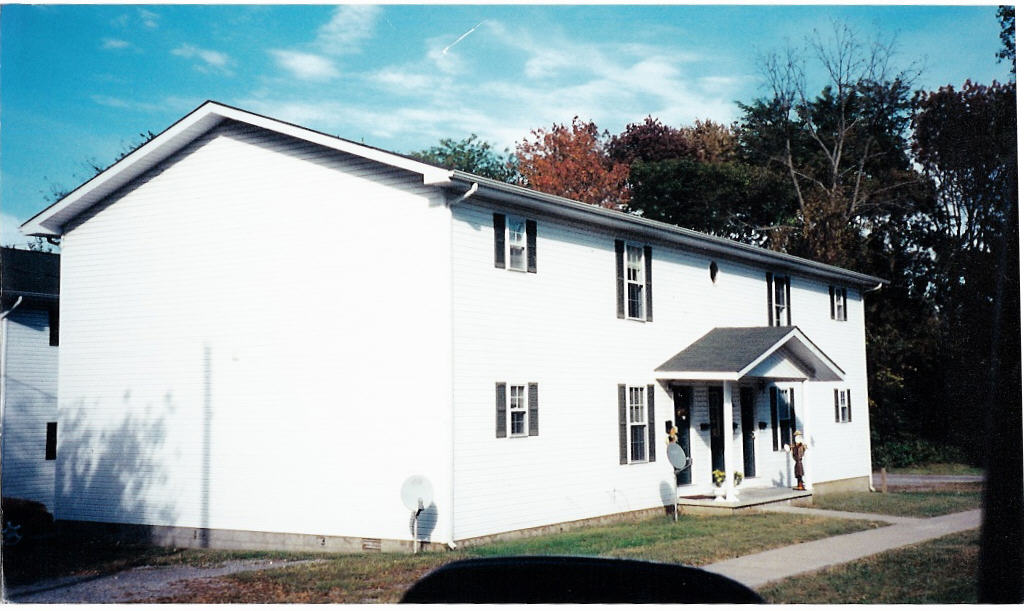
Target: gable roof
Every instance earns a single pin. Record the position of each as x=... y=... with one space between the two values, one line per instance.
x=730 y=353
x=52 y=220
x=30 y=274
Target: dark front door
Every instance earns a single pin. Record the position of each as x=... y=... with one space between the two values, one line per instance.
x=683 y=400
x=747 y=423
x=717 y=434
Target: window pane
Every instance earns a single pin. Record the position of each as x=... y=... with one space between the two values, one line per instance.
x=636 y=308
x=516 y=257
x=518 y=423
x=638 y=433
x=516 y=230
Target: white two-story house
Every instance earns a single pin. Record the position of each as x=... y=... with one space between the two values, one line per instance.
x=266 y=330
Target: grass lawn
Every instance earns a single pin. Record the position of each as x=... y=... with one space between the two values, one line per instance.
x=944 y=468
x=382 y=578
x=912 y=504
x=938 y=571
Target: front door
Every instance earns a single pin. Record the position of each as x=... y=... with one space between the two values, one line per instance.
x=747 y=423
x=716 y=415
x=683 y=396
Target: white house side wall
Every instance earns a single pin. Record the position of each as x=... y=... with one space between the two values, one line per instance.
x=256 y=337
x=558 y=327
x=30 y=401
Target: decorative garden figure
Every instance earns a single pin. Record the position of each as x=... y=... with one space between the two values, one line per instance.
x=797 y=450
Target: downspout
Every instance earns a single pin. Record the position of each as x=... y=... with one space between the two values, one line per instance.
x=451 y=329
x=871 y=477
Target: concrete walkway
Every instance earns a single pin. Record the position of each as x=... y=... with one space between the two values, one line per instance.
x=757 y=570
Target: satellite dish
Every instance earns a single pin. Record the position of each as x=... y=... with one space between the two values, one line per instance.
x=677 y=457
x=417 y=493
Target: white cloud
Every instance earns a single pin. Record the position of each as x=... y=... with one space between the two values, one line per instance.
x=212 y=60
x=116 y=43
x=349 y=27
x=305 y=66
x=149 y=18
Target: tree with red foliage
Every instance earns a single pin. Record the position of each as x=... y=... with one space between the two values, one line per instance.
x=572 y=161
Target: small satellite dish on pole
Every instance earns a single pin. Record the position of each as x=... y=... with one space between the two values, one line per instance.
x=417 y=495
x=677 y=457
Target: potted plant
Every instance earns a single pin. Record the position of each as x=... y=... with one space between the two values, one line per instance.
x=718 y=478
x=737 y=477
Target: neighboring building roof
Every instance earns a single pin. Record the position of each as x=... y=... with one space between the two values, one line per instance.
x=52 y=220
x=30 y=274
x=730 y=353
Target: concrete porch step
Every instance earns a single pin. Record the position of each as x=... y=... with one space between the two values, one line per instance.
x=747 y=499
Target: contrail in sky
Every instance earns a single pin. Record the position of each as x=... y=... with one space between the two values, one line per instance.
x=459 y=39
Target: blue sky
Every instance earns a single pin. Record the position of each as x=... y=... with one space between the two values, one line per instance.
x=80 y=82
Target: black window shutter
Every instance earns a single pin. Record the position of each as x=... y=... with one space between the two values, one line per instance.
x=771 y=313
x=620 y=280
x=789 y=306
x=651 y=454
x=531 y=246
x=832 y=300
x=846 y=310
x=835 y=391
x=849 y=407
x=499 y=240
x=647 y=289
x=623 y=456
x=54 y=323
x=51 y=441
x=534 y=406
x=499 y=409
x=775 y=417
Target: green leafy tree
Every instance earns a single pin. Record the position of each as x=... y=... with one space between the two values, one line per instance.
x=1007 y=35
x=470 y=155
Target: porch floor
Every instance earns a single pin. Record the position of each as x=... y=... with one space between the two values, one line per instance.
x=748 y=499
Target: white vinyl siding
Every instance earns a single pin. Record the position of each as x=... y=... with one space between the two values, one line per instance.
x=220 y=368
x=29 y=392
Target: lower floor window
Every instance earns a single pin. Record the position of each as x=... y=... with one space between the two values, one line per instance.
x=517 y=409
x=842 y=397
x=783 y=417
x=637 y=425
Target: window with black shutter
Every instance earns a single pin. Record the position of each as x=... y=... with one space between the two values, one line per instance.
x=783 y=413
x=837 y=296
x=779 y=310
x=516 y=410
x=515 y=243
x=633 y=281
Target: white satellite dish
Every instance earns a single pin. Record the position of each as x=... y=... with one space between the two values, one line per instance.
x=417 y=493
x=677 y=457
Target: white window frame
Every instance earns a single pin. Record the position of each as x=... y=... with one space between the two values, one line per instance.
x=839 y=304
x=519 y=244
x=640 y=281
x=515 y=407
x=844 y=407
x=780 y=310
x=636 y=402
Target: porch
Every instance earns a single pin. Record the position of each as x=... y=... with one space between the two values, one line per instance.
x=745 y=500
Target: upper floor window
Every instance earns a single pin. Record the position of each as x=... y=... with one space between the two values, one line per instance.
x=54 y=324
x=837 y=296
x=515 y=243
x=779 y=314
x=517 y=410
x=842 y=399
x=636 y=424
x=633 y=281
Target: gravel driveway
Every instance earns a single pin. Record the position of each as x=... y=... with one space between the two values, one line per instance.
x=134 y=584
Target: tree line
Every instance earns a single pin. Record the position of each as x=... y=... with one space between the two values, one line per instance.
x=863 y=172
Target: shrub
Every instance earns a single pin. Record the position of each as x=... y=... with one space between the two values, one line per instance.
x=909 y=452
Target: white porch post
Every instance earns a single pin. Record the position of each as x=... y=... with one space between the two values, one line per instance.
x=807 y=434
x=730 y=488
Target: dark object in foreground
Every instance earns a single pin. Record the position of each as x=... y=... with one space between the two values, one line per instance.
x=567 y=579
x=27 y=519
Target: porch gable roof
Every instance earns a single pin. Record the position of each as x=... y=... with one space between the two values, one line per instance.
x=730 y=353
